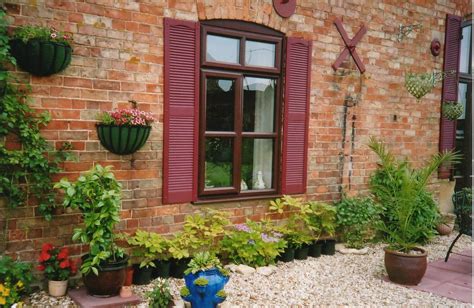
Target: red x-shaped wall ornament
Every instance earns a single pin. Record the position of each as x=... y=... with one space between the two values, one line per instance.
x=350 y=46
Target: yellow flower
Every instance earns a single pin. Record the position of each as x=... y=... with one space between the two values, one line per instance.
x=19 y=284
x=2 y=287
x=2 y=300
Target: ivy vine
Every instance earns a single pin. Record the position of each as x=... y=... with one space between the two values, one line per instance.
x=26 y=169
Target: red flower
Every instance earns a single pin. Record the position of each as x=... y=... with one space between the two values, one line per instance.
x=44 y=256
x=47 y=247
x=41 y=267
x=63 y=254
x=64 y=264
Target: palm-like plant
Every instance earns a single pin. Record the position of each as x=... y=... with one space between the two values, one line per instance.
x=410 y=213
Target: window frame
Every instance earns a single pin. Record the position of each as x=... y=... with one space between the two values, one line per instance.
x=239 y=71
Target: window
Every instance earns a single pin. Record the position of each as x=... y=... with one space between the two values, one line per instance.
x=227 y=133
x=240 y=88
x=463 y=142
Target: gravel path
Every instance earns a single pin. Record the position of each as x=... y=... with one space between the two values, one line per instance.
x=352 y=280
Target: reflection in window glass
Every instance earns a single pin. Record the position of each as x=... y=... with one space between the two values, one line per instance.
x=462 y=96
x=259 y=104
x=222 y=49
x=220 y=94
x=465 y=50
x=257 y=164
x=219 y=152
x=461 y=126
x=259 y=54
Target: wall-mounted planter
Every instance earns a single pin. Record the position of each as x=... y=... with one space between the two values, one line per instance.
x=123 y=140
x=41 y=58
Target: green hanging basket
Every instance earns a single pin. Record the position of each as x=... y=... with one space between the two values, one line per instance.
x=121 y=139
x=39 y=57
x=452 y=110
x=419 y=85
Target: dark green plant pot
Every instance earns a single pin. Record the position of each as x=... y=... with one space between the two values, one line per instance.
x=329 y=247
x=41 y=58
x=178 y=267
x=315 y=249
x=142 y=275
x=302 y=252
x=123 y=140
x=162 y=269
x=288 y=255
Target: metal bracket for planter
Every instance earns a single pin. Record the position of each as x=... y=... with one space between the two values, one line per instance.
x=350 y=46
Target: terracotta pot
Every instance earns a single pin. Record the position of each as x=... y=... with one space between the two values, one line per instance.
x=128 y=276
x=109 y=281
x=57 y=288
x=126 y=291
x=444 y=229
x=407 y=269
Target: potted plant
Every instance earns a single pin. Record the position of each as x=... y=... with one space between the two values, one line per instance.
x=41 y=51
x=57 y=268
x=323 y=220
x=160 y=296
x=205 y=278
x=97 y=195
x=146 y=246
x=409 y=212
x=180 y=248
x=124 y=131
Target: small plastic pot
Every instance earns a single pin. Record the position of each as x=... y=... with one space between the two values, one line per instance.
x=302 y=252
x=178 y=267
x=287 y=255
x=315 y=249
x=142 y=275
x=329 y=247
x=162 y=269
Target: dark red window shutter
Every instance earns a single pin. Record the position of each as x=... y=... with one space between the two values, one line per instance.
x=181 y=82
x=296 y=115
x=452 y=43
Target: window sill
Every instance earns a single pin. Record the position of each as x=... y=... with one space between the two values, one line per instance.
x=203 y=201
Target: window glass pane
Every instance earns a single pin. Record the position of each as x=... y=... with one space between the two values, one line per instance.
x=259 y=104
x=219 y=152
x=462 y=96
x=259 y=54
x=257 y=164
x=461 y=126
x=220 y=98
x=465 y=48
x=222 y=49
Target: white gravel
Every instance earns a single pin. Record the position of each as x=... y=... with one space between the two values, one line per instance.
x=352 y=280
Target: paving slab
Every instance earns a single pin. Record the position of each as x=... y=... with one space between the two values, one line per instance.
x=84 y=300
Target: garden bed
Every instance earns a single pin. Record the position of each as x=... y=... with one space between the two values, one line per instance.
x=339 y=279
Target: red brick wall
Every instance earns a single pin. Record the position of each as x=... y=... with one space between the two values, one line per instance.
x=118 y=56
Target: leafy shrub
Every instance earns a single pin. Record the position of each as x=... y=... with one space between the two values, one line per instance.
x=183 y=245
x=160 y=296
x=409 y=213
x=97 y=195
x=356 y=220
x=15 y=280
x=148 y=246
x=249 y=244
x=203 y=261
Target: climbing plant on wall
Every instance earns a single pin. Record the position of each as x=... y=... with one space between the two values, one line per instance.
x=27 y=160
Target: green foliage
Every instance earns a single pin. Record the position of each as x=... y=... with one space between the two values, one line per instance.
x=184 y=292
x=27 y=171
x=97 y=195
x=105 y=118
x=203 y=261
x=15 y=280
x=207 y=228
x=201 y=281
x=5 y=57
x=221 y=294
x=409 y=213
x=252 y=244
x=28 y=32
x=218 y=174
x=323 y=218
x=160 y=296
x=357 y=219
x=148 y=246
x=183 y=245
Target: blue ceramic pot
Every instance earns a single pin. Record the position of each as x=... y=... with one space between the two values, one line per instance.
x=205 y=296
